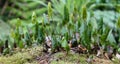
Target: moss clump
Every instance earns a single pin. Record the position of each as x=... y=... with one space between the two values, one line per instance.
x=25 y=56
x=61 y=58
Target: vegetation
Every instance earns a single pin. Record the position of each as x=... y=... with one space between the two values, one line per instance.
x=87 y=26
x=33 y=55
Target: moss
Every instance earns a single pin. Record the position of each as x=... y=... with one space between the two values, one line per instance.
x=116 y=61
x=61 y=62
x=68 y=59
x=29 y=55
x=25 y=56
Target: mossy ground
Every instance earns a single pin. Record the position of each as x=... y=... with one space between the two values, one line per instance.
x=24 y=56
x=30 y=55
x=62 y=58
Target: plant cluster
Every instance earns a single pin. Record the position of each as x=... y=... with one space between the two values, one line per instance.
x=68 y=24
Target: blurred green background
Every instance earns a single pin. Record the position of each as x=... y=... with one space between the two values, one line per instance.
x=11 y=10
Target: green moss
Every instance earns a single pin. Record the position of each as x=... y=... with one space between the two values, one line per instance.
x=116 y=61
x=61 y=62
x=25 y=56
x=69 y=59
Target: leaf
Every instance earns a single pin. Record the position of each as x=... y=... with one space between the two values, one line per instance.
x=21 y=45
x=118 y=50
x=100 y=27
x=118 y=23
x=40 y=35
x=40 y=2
x=45 y=19
x=70 y=25
x=63 y=30
x=65 y=44
x=82 y=29
x=28 y=39
x=55 y=43
x=110 y=37
x=94 y=24
x=6 y=51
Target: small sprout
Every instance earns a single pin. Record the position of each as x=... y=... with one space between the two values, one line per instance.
x=34 y=16
x=49 y=10
x=84 y=13
x=18 y=24
x=66 y=15
x=12 y=34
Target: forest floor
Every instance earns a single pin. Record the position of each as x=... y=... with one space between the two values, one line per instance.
x=35 y=55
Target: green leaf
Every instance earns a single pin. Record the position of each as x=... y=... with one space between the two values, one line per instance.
x=40 y=35
x=119 y=50
x=118 y=23
x=110 y=37
x=55 y=43
x=28 y=39
x=6 y=51
x=65 y=44
x=45 y=19
x=100 y=27
x=63 y=30
x=94 y=24
x=21 y=44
